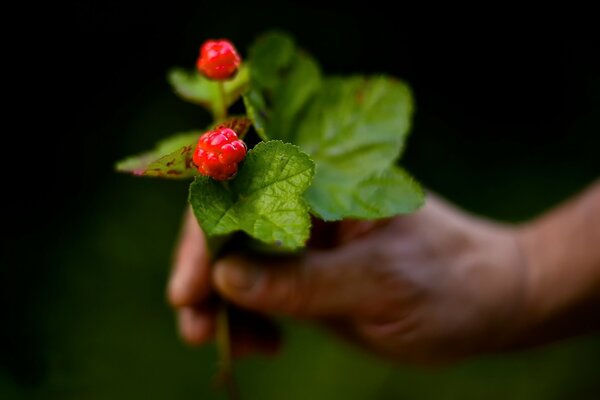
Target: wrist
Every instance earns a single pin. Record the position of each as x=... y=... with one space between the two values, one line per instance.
x=536 y=262
x=507 y=289
x=558 y=297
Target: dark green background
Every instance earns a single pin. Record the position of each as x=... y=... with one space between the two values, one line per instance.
x=507 y=125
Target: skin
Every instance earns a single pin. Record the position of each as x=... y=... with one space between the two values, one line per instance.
x=433 y=287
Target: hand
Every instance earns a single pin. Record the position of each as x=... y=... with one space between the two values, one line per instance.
x=434 y=286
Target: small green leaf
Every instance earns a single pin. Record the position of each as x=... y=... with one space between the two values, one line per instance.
x=283 y=80
x=383 y=194
x=270 y=54
x=264 y=199
x=172 y=157
x=197 y=89
x=256 y=108
x=291 y=96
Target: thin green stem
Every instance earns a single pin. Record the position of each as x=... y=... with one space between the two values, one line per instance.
x=221 y=112
x=225 y=376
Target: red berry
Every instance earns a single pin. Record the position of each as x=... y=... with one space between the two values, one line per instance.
x=218 y=153
x=219 y=60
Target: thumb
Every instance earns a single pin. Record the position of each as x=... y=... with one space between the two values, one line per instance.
x=313 y=285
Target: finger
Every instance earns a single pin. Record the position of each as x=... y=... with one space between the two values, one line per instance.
x=190 y=276
x=320 y=283
x=196 y=326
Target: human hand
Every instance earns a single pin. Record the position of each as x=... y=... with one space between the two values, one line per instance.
x=430 y=287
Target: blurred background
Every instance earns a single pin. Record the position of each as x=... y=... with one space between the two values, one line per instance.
x=507 y=126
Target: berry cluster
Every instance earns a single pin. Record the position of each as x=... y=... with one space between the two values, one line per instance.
x=219 y=60
x=218 y=153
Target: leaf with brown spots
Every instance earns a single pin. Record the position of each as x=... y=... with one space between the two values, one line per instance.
x=172 y=158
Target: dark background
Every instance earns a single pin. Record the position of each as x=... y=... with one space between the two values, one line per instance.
x=507 y=126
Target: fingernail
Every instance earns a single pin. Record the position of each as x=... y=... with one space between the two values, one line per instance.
x=241 y=277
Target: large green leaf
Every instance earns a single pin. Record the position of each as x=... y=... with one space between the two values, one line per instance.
x=354 y=130
x=265 y=199
x=383 y=194
x=283 y=80
x=172 y=157
x=195 y=88
x=357 y=125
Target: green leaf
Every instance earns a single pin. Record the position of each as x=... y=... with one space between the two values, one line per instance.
x=172 y=157
x=264 y=199
x=283 y=80
x=195 y=88
x=270 y=54
x=354 y=130
x=291 y=96
x=383 y=194
x=256 y=108
x=357 y=125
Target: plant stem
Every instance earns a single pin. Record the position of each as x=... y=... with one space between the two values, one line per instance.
x=225 y=360
x=225 y=376
x=221 y=113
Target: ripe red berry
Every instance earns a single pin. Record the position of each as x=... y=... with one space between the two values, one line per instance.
x=218 y=153
x=219 y=60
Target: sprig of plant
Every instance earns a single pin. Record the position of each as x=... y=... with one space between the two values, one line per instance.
x=328 y=147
